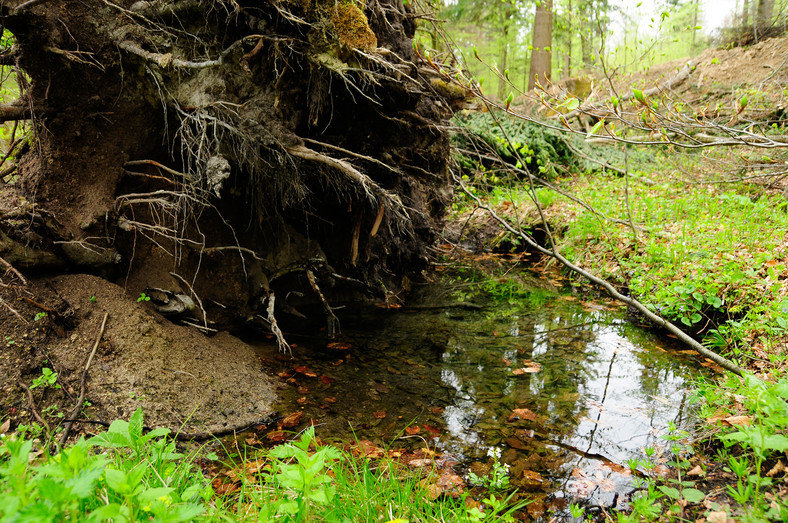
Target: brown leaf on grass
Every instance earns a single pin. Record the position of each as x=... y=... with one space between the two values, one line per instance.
x=338 y=345
x=330 y=399
x=717 y=516
x=256 y=465
x=420 y=463
x=718 y=415
x=379 y=414
x=302 y=400
x=522 y=414
x=697 y=470
x=292 y=420
x=778 y=468
x=412 y=430
x=743 y=421
x=5 y=427
x=222 y=489
x=326 y=380
x=366 y=449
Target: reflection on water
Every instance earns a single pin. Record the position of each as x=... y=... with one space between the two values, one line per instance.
x=600 y=390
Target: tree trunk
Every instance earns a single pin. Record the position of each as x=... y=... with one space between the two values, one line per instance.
x=541 y=58
x=238 y=144
x=568 y=44
x=586 y=30
x=763 y=18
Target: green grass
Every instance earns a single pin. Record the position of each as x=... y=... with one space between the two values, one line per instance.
x=124 y=474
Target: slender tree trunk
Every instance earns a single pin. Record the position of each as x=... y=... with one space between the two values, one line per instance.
x=763 y=19
x=586 y=30
x=745 y=13
x=568 y=51
x=541 y=58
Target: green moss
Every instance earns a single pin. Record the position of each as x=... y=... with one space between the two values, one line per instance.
x=353 y=28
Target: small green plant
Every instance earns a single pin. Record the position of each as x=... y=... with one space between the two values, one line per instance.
x=306 y=477
x=143 y=297
x=92 y=299
x=48 y=378
x=9 y=341
x=39 y=316
x=498 y=479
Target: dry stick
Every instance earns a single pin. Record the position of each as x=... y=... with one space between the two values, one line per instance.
x=33 y=407
x=78 y=407
x=658 y=320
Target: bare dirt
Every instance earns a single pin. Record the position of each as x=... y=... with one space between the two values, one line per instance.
x=181 y=378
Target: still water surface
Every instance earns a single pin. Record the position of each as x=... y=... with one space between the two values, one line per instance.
x=455 y=364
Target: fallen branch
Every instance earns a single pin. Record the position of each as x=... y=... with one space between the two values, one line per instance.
x=13 y=270
x=655 y=318
x=78 y=406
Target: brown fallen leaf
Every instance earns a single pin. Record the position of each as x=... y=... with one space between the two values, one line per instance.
x=717 y=517
x=413 y=429
x=366 y=449
x=338 y=345
x=326 y=380
x=379 y=414
x=292 y=420
x=303 y=390
x=718 y=415
x=304 y=370
x=276 y=436
x=330 y=399
x=530 y=368
x=522 y=414
x=434 y=431
x=5 y=427
x=697 y=470
x=743 y=421
x=778 y=468
x=302 y=400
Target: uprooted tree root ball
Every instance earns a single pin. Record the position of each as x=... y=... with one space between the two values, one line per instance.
x=243 y=164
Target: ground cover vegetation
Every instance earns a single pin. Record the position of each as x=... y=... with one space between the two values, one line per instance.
x=697 y=237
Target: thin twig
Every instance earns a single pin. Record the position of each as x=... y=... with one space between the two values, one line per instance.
x=78 y=406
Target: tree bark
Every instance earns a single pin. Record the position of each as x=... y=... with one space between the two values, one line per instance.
x=586 y=31
x=763 y=18
x=541 y=57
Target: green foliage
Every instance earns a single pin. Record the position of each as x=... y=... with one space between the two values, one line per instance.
x=143 y=297
x=39 y=316
x=761 y=433
x=532 y=146
x=498 y=478
x=48 y=378
x=153 y=482
x=141 y=476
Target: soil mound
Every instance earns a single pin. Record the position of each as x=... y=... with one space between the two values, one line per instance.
x=181 y=378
